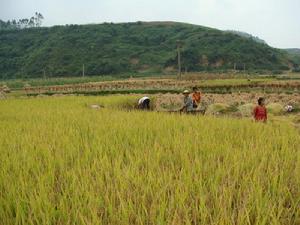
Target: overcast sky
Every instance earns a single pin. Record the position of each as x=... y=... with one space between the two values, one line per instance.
x=275 y=21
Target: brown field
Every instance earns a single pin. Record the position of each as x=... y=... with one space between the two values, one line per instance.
x=173 y=84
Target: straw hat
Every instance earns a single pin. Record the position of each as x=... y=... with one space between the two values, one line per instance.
x=185 y=92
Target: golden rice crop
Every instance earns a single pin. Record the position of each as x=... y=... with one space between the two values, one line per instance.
x=64 y=163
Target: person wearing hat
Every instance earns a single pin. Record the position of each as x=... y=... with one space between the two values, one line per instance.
x=144 y=103
x=187 y=102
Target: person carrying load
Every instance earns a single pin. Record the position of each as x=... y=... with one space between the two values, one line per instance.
x=196 y=96
x=144 y=103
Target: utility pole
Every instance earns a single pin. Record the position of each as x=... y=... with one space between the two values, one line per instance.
x=179 y=46
x=83 y=70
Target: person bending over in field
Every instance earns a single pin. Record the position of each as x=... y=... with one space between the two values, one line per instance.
x=196 y=96
x=260 y=111
x=144 y=103
x=187 y=102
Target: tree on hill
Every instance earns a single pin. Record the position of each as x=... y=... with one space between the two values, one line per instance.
x=34 y=21
x=246 y=35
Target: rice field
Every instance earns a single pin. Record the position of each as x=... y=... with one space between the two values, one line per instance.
x=62 y=162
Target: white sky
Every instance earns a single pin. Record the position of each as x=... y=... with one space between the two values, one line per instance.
x=275 y=21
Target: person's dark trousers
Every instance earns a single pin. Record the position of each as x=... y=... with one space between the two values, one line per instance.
x=146 y=104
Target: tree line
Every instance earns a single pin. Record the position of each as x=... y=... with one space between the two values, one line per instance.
x=34 y=21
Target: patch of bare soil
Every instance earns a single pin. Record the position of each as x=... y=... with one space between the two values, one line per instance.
x=243 y=98
x=165 y=102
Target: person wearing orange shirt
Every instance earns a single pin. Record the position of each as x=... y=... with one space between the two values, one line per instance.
x=196 y=96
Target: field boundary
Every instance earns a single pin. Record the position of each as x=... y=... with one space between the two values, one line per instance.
x=105 y=89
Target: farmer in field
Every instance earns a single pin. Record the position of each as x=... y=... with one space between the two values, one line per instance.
x=196 y=97
x=289 y=108
x=187 y=102
x=144 y=103
x=260 y=111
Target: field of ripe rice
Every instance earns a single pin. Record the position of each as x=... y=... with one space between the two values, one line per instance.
x=64 y=163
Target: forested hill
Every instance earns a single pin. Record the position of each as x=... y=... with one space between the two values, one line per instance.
x=129 y=47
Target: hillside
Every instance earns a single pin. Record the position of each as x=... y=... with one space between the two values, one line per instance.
x=295 y=51
x=129 y=47
x=294 y=55
x=246 y=35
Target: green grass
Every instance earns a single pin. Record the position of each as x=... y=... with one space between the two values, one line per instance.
x=34 y=82
x=64 y=163
x=19 y=83
x=293 y=76
x=235 y=81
